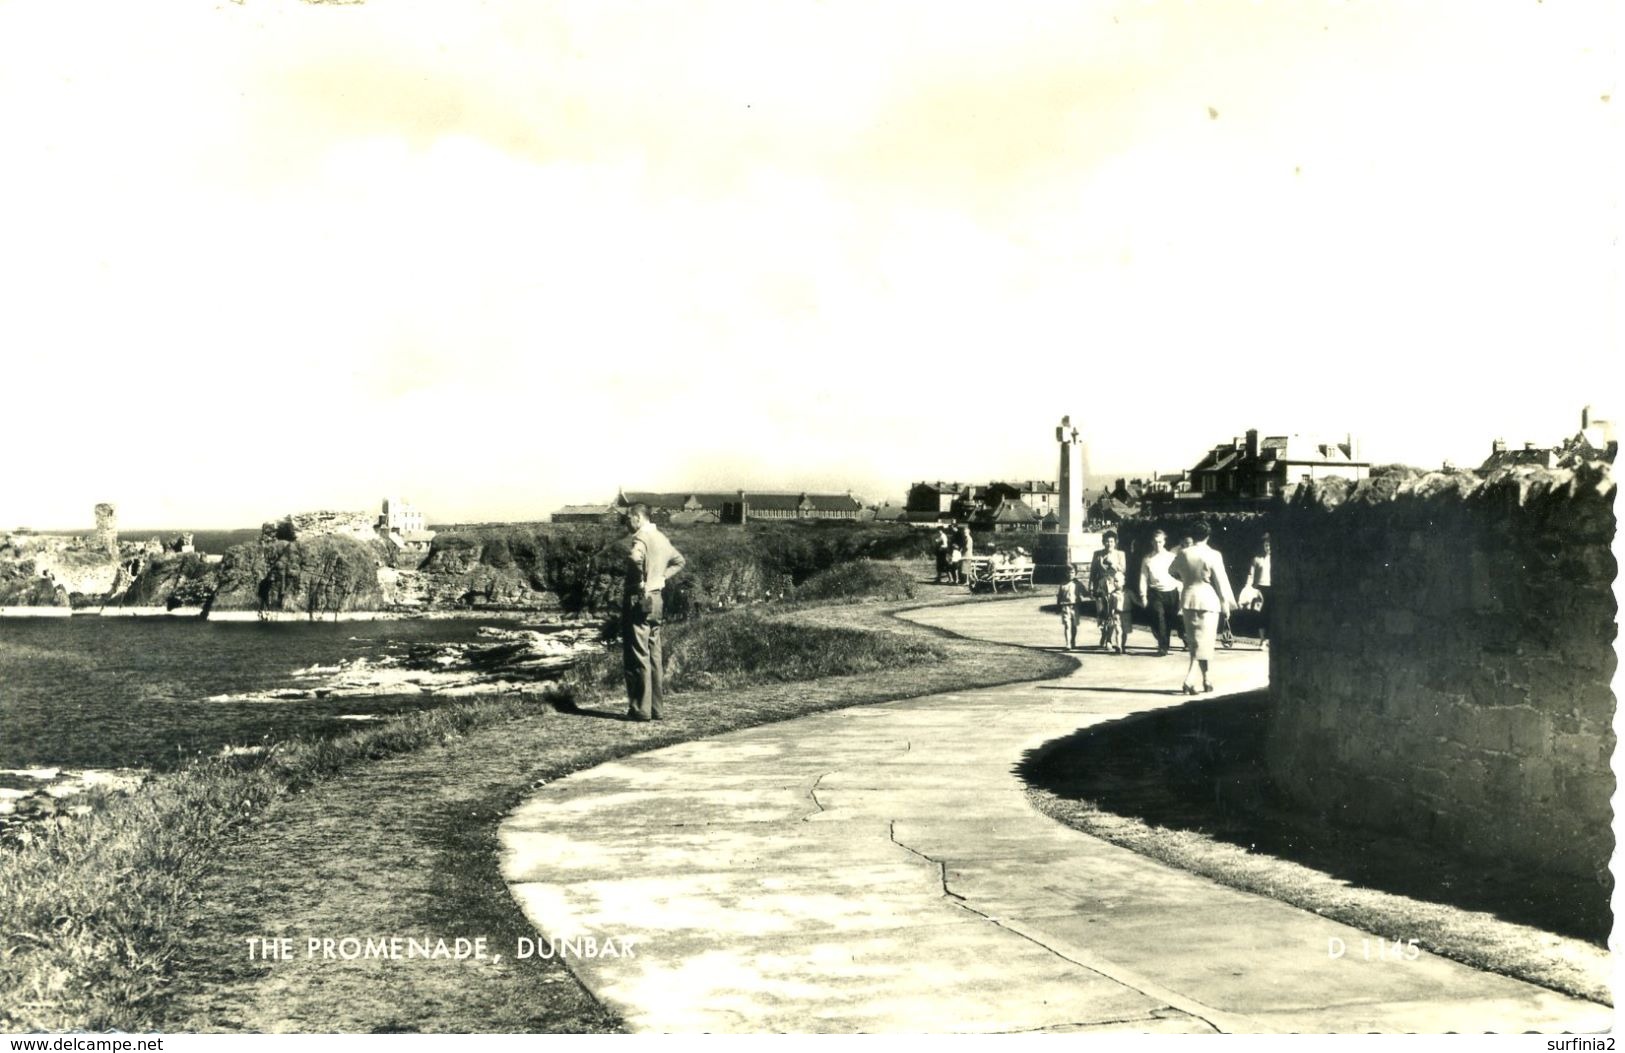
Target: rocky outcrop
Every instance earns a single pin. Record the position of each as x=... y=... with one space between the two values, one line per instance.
x=325 y=574
x=36 y=798
x=303 y=526
x=52 y=571
x=171 y=580
x=501 y=661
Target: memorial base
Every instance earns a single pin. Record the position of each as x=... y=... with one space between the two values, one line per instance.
x=1055 y=556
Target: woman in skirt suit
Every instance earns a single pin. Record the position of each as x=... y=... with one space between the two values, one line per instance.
x=1205 y=596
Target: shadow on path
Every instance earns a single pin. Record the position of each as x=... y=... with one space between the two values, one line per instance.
x=1200 y=768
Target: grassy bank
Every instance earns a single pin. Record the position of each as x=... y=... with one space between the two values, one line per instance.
x=136 y=917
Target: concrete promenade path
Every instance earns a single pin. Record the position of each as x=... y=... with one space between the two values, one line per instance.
x=879 y=869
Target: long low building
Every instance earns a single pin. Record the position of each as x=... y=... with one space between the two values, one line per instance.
x=689 y=507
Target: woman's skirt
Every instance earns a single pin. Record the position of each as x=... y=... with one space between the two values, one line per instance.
x=1200 y=629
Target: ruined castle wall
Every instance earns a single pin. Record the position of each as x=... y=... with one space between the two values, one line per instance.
x=1442 y=654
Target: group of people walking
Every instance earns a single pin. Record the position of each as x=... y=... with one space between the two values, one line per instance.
x=1189 y=584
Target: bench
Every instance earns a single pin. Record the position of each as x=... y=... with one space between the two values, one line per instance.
x=984 y=572
x=1012 y=574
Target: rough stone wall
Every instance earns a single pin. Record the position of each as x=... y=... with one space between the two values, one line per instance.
x=1442 y=655
x=106 y=536
x=357 y=525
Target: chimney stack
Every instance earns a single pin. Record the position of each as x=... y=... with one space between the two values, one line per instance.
x=1252 y=444
x=1498 y=446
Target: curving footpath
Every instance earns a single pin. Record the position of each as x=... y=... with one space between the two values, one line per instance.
x=880 y=869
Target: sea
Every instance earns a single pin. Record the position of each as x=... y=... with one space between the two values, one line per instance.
x=91 y=692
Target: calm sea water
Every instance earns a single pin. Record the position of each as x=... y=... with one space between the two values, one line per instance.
x=107 y=692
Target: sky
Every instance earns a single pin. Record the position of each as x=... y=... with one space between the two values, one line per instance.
x=266 y=257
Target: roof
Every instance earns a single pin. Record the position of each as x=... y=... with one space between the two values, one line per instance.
x=585 y=510
x=788 y=502
x=698 y=515
x=1544 y=456
x=651 y=498
x=1026 y=486
x=1219 y=458
x=1012 y=512
x=1111 y=506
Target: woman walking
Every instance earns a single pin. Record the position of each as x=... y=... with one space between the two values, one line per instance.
x=1205 y=596
x=1108 y=583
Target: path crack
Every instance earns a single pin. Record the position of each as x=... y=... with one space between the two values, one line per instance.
x=942 y=867
x=1216 y=1019
x=812 y=792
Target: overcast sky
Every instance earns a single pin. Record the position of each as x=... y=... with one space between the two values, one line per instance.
x=266 y=257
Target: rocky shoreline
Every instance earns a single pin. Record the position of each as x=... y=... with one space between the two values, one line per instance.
x=526 y=660
x=32 y=796
x=406 y=614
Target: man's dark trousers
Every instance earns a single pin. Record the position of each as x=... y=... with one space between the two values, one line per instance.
x=1164 y=606
x=640 y=653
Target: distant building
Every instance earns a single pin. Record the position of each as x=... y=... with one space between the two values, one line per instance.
x=1109 y=510
x=1006 y=515
x=930 y=502
x=398 y=517
x=740 y=506
x=755 y=504
x=1250 y=470
x=586 y=514
x=1040 y=495
x=1503 y=457
x=662 y=505
x=409 y=549
x=1594 y=441
x=698 y=517
x=885 y=513
x=933 y=502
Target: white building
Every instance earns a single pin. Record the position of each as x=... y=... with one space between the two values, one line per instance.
x=400 y=518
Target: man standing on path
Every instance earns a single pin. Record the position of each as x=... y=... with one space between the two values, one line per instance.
x=651 y=559
x=1159 y=590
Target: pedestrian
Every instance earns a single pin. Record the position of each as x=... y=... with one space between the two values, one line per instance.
x=1108 y=584
x=967 y=548
x=1205 y=598
x=943 y=548
x=1066 y=598
x=1258 y=581
x=651 y=559
x=1159 y=590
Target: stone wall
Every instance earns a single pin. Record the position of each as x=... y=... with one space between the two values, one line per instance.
x=1442 y=655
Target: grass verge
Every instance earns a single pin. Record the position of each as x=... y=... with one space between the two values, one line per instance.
x=137 y=917
x=1186 y=786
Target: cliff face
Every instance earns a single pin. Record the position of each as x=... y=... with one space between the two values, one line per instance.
x=172 y=580
x=317 y=564
x=53 y=571
x=22 y=585
x=320 y=575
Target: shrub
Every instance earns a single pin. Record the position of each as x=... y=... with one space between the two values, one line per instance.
x=860 y=580
x=750 y=647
